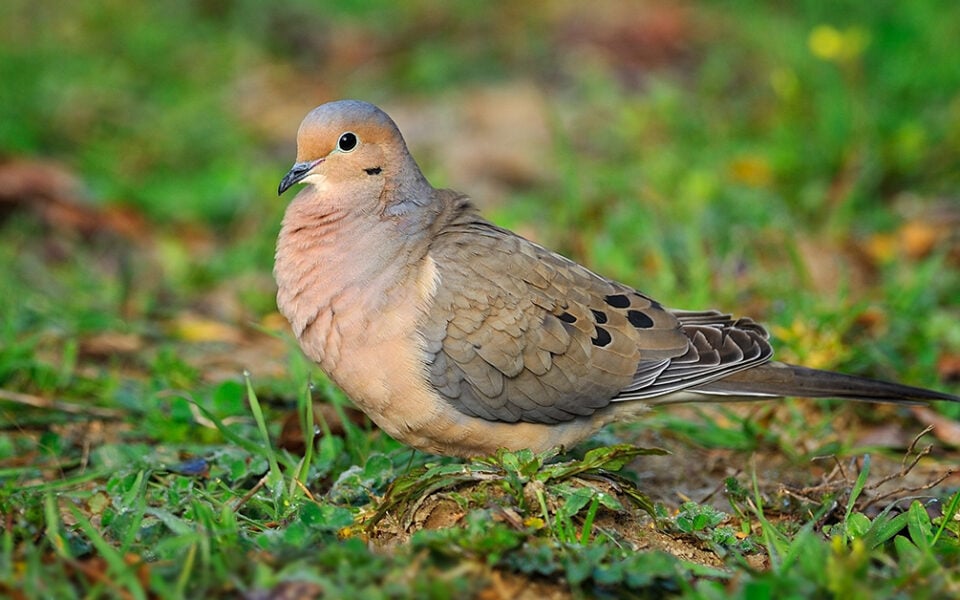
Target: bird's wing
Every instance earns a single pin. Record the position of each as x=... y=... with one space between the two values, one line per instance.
x=518 y=333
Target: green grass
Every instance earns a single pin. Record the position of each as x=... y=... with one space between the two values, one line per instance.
x=774 y=160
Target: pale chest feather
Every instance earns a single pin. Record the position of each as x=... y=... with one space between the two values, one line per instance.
x=366 y=339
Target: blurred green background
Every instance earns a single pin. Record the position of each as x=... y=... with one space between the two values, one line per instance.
x=797 y=162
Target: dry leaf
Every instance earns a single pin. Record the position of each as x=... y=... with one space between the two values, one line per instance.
x=945 y=429
x=110 y=343
x=918 y=238
x=948 y=367
x=888 y=435
x=57 y=197
x=194 y=328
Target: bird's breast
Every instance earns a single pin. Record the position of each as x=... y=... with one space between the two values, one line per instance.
x=364 y=335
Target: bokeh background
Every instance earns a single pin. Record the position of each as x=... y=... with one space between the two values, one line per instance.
x=795 y=162
x=798 y=162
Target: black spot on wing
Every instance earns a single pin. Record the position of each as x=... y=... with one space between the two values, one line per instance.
x=639 y=319
x=617 y=300
x=599 y=316
x=567 y=317
x=603 y=337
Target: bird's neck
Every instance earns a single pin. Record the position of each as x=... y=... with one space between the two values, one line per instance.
x=333 y=257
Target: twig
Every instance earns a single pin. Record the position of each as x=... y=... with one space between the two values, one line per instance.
x=304 y=489
x=921 y=488
x=59 y=405
x=248 y=495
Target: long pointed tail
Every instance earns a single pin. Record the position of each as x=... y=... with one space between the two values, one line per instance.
x=782 y=379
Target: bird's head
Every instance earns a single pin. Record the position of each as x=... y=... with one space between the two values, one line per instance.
x=349 y=146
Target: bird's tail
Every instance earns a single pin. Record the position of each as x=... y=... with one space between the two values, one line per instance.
x=781 y=379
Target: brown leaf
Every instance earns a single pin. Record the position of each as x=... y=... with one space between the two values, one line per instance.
x=834 y=266
x=888 y=435
x=110 y=343
x=945 y=429
x=57 y=196
x=948 y=367
x=918 y=238
x=874 y=319
x=928 y=226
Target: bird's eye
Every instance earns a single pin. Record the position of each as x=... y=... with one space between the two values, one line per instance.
x=347 y=142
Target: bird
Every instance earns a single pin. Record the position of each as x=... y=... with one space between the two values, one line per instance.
x=458 y=337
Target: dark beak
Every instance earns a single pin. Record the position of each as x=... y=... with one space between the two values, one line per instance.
x=296 y=173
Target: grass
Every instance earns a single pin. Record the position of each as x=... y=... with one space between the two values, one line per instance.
x=161 y=435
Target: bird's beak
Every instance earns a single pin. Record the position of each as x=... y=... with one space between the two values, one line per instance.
x=296 y=173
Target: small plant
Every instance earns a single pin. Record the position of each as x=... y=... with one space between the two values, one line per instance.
x=552 y=495
x=707 y=524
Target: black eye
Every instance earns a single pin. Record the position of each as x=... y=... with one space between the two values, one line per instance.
x=347 y=142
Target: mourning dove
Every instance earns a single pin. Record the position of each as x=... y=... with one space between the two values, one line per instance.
x=458 y=337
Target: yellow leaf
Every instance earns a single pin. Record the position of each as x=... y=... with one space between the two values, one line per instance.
x=192 y=328
x=753 y=171
x=829 y=43
x=825 y=42
x=534 y=522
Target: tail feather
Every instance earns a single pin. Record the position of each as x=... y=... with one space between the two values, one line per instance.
x=782 y=379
